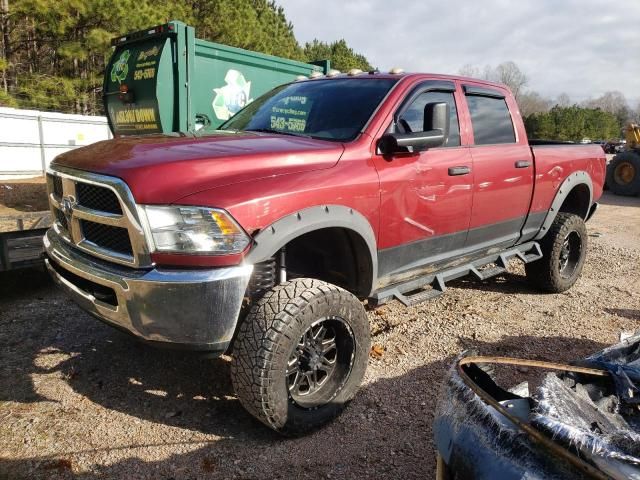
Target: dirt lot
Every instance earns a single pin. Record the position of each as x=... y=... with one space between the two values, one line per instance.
x=80 y=400
x=19 y=199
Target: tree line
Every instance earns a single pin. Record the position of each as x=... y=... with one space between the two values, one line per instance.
x=53 y=52
x=560 y=118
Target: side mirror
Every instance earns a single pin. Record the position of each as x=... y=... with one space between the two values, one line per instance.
x=435 y=134
x=436 y=117
x=202 y=121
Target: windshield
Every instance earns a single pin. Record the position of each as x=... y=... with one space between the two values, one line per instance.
x=334 y=109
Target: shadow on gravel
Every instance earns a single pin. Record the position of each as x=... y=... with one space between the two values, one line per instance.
x=385 y=432
x=624 y=312
x=107 y=366
x=618 y=200
x=21 y=328
x=503 y=283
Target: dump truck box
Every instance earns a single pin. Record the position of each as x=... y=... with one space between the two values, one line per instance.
x=163 y=80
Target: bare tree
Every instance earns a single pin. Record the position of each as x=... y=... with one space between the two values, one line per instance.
x=4 y=46
x=469 y=70
x=563 y=100
x=613 y=102
x=510 y=75
x=506 y=73
x=532 y=102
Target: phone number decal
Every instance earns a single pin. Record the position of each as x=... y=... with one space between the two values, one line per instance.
x=289 y=124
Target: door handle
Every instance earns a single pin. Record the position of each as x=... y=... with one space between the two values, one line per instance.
x=523 y=164
x=453 y=171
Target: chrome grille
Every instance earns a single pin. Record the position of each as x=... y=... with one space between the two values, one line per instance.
x=98 y=215
x=57 y=186
x=61 y=219
x=112 y=238
x=98 y=198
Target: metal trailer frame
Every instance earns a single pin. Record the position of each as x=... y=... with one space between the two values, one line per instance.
x=23 y=248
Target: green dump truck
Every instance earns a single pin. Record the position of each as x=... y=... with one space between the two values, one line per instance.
x=163 y=80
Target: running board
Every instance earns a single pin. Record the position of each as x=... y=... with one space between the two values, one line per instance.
x=431 y=286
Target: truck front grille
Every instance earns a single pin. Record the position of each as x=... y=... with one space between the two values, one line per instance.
x=98 y=198
x=97 y=214
x=62 y=220
x=57 y=185
x=111 y=238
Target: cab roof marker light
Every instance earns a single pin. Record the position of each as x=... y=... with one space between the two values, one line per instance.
x=333 y=73
x=316 y=75
x=299 y=78
x=354 y=71
x=396 y=71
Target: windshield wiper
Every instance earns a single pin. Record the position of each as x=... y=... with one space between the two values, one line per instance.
x=271 y=130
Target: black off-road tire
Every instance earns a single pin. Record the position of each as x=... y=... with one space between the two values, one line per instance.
x=623 y=174
x=547 y=273
x=273 y=331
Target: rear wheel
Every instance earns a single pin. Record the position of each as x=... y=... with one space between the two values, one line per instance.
x=564 y=250
x=623 y=174
x=300 y=355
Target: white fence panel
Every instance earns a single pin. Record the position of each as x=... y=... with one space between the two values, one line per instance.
x=30 y=140
x=19 y=129
x=20 y=159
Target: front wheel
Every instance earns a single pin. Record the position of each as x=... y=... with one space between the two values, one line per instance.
x=300 y=355
x=564 y=249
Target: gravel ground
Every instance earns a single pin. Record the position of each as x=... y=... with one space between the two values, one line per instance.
x=81 y=400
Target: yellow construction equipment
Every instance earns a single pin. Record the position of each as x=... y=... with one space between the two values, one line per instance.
x=623 y=173
x=632 y=136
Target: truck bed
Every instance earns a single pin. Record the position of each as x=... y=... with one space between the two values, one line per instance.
x=552 y=162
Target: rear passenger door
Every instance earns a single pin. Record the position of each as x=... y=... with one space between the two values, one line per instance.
x=502 y=167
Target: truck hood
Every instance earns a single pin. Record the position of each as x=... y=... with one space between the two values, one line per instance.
x=162 y=168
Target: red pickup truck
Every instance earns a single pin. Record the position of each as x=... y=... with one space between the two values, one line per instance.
x=264 y=238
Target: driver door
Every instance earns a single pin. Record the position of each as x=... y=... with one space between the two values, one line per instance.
x=425 y=196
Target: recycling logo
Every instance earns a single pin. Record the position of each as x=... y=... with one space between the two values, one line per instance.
x=230 y=98
x=120 y=68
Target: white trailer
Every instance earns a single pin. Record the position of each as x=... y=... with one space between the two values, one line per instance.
x=30 y=139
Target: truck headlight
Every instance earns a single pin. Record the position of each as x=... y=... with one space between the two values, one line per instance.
x=179 y=229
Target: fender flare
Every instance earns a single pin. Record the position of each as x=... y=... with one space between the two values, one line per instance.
x=577 y=178
x=272 y=238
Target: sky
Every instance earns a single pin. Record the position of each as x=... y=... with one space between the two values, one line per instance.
x=579 y=47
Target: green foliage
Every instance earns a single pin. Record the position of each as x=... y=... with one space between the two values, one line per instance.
x=342 y=57
x=7 y=100
x=573 y=124
x=48 y=93
x=58 y=49
x=257 y=25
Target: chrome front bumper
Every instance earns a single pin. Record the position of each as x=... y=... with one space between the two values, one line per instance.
x=193 y=309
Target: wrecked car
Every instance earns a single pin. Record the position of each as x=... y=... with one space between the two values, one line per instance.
x=581 y=421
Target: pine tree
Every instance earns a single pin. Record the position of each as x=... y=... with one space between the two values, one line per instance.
x=54 y=52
